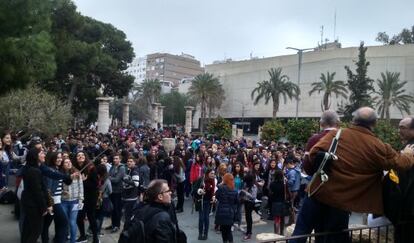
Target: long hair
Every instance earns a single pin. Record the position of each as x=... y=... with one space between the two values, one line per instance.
x=222 y=169
x=228 y=180
x=102 y=172
x=178 y=163
x=80 y=167
x=32 y=157
x=241 y=172
x=71 y=170
x=6 y=148
x=51 y=159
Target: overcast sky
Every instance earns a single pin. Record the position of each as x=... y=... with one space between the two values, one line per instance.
x=217 y=29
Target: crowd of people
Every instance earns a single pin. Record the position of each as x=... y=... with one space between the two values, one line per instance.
x=85 y=175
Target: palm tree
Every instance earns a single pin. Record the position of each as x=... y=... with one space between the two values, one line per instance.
x=146 y=93
x=207 y=91
x=329 y=86
x=278 y=86
x=392 y=93
x=150 y=90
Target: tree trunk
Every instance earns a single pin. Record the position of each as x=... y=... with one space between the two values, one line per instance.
x=203 y=115
x=72 y=93
x=387 y=111
x=326 y=101
x=275 y=108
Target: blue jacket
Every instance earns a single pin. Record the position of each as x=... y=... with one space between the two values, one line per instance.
x=227 y=205
x=294 y=179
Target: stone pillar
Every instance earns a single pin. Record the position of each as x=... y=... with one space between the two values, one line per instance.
x=239 y=133
x=154 y=120
x=188 y=119
x=104 y=120
x=233 y=131
x=161 y=115
x=125 y=114
x=169 y=144
x=259 y=134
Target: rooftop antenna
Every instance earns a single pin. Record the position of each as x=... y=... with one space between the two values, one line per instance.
x=335 y=39
x=322 y=35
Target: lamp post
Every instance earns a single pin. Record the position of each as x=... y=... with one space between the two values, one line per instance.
x=300 y=52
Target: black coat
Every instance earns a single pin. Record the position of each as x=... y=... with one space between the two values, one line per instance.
x=227 y=205
x=34 y=195
x=162 y=226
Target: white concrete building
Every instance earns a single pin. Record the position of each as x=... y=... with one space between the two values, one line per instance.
x=138 y=69
x=239 y=78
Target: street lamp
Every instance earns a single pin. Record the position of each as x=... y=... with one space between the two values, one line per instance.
x=300 y=52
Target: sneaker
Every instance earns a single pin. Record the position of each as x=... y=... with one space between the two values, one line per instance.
x=101 y=234
x=232 y=228
x=247 y=237
x=241 y=229
x=114 y=230
x=82 y=239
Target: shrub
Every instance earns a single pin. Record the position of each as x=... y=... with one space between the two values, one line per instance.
x=220 y=127
x=299 y=131
x=34 y=110
x=388 y=133
x=272 y=130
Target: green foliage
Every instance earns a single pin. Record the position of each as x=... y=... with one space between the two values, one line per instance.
x=34 y=110
x=391 y=92
x=220 y=127
x=359 y=85
x=174 y=103
x=299 y=131
x=207 y=91
x=329 y=86
x=272 y=130
x=90 y=56
x=406 y=36
x=388 y=133
x=27 y=53
x=278 y=86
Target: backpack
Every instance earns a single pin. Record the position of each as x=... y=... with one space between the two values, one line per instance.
x=396 y=194
x=134 y=231
x=7 y=197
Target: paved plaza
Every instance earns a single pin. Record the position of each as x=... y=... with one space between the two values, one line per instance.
x=188 y=222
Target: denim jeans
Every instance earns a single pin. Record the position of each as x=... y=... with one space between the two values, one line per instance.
x=116 y=200
x=71 y=215
x=320 y=217
x=203 y=218
x=128 y=208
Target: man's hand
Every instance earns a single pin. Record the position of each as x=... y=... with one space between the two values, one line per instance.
x=408 y=150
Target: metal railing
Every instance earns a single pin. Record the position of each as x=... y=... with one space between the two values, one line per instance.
x=379 y=234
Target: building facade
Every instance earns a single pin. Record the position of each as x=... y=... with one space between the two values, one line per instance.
x=239 y=78
x=138 y=69
x=172 y=68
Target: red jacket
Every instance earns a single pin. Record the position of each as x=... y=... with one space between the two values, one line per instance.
x=196 y=172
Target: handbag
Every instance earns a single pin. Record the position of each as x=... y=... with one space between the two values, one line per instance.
x=107 y=205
